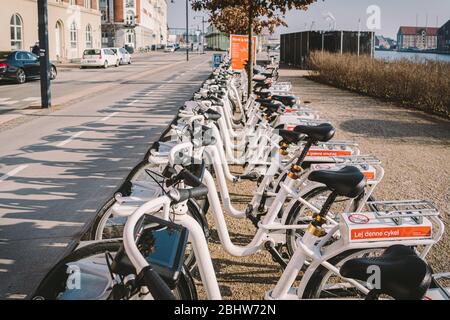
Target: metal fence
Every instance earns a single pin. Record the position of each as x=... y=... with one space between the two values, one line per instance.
x=296 y=47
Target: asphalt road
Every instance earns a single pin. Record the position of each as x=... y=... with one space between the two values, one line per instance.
x=58 y=168
x=69 y=80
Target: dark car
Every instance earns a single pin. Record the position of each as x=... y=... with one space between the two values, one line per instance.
x=21 y=66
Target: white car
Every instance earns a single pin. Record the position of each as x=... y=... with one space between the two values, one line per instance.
x=124 y=55
x=99 y=58
x=170 y=48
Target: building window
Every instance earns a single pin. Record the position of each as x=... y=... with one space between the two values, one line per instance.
x=129 y=18
x=72 y=2
x=104 y=16
x=16 y=27
x=73 y=35
x=130 y=37
x=89 y=36
x=87 y=4
x=129 y=4
x=105 y=38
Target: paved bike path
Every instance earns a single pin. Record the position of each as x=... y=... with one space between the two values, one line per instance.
x=58 y=169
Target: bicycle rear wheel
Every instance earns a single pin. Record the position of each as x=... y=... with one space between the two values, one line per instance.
x=324 y=284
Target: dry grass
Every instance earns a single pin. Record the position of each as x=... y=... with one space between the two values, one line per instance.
x=421 y=85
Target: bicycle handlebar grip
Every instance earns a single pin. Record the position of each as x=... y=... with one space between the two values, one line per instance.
x=198 y=192
x=212 y=115
x=210 y=141
x=156 y=285
x=190 y=179
x=186 y=194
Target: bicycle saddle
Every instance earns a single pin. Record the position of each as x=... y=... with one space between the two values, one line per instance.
x=403 y=274
x=289 y=137
x=259 y=78
x=321 y=133
x=264 y=94
x=348 y=182
x=272 y=107
x=211 y=114
x=286 y=100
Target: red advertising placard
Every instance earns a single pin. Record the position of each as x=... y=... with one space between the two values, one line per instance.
x=239 y=51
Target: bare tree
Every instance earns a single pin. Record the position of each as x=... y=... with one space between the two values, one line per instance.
x=248 y=16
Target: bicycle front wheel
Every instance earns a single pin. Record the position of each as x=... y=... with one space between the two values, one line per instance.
x=94 y=279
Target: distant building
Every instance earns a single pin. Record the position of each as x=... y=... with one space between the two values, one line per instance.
x=444 y=38
x=133 y=23
x=381 y=43
x=384 y=43
x=417 y=38
x=73 y=26
x=217 y=40
x=392 y=43
x=178 y=35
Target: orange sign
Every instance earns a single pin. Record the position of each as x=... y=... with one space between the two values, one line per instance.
x=329 y=153
x=393 y=232
x=239 y=51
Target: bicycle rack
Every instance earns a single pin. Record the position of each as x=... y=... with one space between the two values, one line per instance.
x=398 y=211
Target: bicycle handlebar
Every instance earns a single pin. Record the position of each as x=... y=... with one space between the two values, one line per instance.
x=181 y=195
x=155 y=284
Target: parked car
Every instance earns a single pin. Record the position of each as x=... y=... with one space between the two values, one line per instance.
x=124 y=55
x=99 y=58
x=130 y=49
x=169 y=48
x=20 y=66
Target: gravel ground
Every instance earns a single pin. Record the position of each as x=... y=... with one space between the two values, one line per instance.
x=414 y=148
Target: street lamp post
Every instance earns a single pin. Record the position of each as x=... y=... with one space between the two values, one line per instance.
x=46 y=95
x=203 y=32
x=187 y=30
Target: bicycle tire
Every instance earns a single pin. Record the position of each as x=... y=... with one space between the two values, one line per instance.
x=54 y=280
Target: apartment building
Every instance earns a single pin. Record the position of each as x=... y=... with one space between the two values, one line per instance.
x=444 y=38
x=417 y=38
x=73 y=26
x=133 y=23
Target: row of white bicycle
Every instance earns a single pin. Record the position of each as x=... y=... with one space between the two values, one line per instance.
x=312 y=208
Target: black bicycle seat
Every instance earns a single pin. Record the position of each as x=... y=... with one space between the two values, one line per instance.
x=348 y=182
x=286 y=100
x=321 y=133
x=264 y=94
x=290 y=137
x=403 y=274
x=212 y=115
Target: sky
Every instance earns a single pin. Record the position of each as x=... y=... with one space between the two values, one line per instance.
x=347 y=13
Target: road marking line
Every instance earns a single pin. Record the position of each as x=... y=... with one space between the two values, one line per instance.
x=30 y=99
x=109 y=117
x=8 y=103
x=132 y=102
x=70 y=139
x=13 y=172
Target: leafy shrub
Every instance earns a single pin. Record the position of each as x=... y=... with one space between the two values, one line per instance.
x=423 y=85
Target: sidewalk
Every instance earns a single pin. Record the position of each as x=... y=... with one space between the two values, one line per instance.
x=58 y=170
